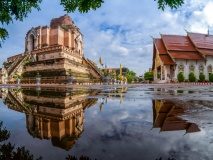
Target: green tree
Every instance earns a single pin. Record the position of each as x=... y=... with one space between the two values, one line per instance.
x=171 y=3
x=211 y=77
x=180 y=77
x=129 y=78
x=148 y=76
x=202 y=77
x=130 y=75
x=13 y=9
x=192 y=77
x=19 y=9
x=8 y=151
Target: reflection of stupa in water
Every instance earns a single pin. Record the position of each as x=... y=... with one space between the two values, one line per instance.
x=51 y=113
x=165 y=117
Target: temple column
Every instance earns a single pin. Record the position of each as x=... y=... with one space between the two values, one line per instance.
x=73 y=125
x=165 y=72
x=155 y=74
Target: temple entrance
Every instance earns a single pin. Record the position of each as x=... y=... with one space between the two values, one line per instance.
x=31 y=43
x=31 y=40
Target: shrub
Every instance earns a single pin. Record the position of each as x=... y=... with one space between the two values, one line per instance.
x=211 y=77
x=202 y=77
x=181 y=77
x=192 y=77
x=148 y=76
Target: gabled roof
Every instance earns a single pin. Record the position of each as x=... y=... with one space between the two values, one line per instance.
x=201 y=40
x=171 y=47
x=160 y=46
x=166 y=59
x=177 y=43
x=164 y=56
x=186 y=55
x=207 y=52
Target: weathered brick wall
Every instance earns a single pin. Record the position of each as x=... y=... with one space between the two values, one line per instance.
x=62 y=21
x=45 y=36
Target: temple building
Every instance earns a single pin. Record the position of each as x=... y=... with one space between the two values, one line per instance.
x=175 y=53
x=165 y=117
x=53 y=52
x=55 y=114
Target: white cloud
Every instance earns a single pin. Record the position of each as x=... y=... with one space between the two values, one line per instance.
x=118 y=31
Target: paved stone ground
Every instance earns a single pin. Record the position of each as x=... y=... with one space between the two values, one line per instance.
x=117 y=85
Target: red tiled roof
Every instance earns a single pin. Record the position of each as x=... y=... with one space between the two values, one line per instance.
x=201 y=40
x=178 y=43
x=207 y=52
x=166 y=59
x=186 y=55
x=160 y=46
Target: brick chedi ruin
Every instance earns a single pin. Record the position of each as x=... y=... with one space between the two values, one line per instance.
x=52 y=53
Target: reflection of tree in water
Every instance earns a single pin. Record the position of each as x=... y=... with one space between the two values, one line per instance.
x=69 y=157
x=165 y=159
x=8 y=151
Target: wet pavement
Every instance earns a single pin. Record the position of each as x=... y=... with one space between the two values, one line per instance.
x=111 y=122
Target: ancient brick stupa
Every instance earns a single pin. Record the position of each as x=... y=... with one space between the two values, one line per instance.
x=53 y=53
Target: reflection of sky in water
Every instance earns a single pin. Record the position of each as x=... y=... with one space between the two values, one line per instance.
x=118 y=131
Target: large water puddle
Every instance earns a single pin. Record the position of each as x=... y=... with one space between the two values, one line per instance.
x=108 y=123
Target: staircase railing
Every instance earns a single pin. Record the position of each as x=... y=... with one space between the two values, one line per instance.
x=15 y=100
x=14 y=64
x=94 y=67
x=26 y=56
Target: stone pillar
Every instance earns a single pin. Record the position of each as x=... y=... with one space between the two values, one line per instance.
x=68 y=126
x=67 y=38
x=38 y=37
x=73 y=40
x=155 y=74
x=46 y=128
x=165 y=72
x=73 y=124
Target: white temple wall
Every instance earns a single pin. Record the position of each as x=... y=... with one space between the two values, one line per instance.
x=209 y=62
x=195 y=66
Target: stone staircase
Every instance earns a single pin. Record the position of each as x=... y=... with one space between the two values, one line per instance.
x=162 y=81
x=17 y=63
x=158 y=81
x=14 y=64
x=95 y=68
x=18 y=103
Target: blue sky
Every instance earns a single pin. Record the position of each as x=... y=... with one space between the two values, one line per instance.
x=120 y=31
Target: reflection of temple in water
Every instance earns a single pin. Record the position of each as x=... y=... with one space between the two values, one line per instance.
x=55 y=114
x=165 y=117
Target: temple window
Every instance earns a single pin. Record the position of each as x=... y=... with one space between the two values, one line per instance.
x=201 y=68
x=209 y=68
x=181 y=67
x=191 y=67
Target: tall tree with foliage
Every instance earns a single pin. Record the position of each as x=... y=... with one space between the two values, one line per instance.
x=149 y=76
x=19 y=9
x=14 y=9
x=7 y=149
x=130 y=75
x=171 y=3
